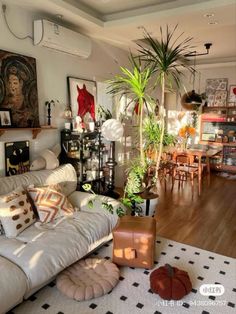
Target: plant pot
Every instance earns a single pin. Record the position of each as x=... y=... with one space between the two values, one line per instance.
x=152 y=208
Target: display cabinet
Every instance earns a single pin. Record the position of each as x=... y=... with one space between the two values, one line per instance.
x=88 y=154
x=218 y=129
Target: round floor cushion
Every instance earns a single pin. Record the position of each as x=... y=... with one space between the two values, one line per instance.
x=170 y=282
x=87 y=279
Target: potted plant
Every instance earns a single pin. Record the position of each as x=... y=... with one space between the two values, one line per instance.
x=162 y=61
x=167 y=58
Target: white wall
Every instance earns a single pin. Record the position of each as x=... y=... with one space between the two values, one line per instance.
x=52 y=70
x=218 y=71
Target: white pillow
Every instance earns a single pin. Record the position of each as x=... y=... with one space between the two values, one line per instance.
x=16 y=213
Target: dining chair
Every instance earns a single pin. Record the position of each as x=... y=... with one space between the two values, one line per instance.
x=185 y=169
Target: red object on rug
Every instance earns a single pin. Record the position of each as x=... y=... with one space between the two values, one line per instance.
x=170 y=282
x=85 y=102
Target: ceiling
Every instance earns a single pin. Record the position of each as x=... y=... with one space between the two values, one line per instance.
x=121 y=22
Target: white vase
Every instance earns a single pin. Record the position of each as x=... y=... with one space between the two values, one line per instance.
x=152 y=207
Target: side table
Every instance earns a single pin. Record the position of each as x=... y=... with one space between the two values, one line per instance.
x=148 y=196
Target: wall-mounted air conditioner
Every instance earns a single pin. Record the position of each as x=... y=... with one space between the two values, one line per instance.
x=57 y=37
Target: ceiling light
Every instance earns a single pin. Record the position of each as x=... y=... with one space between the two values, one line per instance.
x=209 y=15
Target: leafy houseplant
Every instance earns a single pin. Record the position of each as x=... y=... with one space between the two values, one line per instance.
x=105 y=201
x=166 y=57
x=161 y=60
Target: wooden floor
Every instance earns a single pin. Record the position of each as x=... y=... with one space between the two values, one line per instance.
x=207 y=222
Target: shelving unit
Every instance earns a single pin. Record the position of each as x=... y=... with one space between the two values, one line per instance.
x=218 y=128
x=35 y=131
x=86 y=152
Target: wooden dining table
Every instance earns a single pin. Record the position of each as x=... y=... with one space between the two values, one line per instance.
x=198 y=154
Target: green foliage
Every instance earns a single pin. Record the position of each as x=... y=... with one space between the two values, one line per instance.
x=166 y=56
x=133 y=83
x=103 y=113
x=87 y=187
x=105 y=202
x=152 y=133
x=136 y=173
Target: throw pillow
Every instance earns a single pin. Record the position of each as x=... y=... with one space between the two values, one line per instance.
x=1 y=229
x=16 y=213
x=50 y=202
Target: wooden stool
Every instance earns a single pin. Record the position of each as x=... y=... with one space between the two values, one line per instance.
x=134 y=242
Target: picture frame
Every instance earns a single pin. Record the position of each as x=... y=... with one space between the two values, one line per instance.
x=216 y=84
x=220 y=99
x=82 y=97
x=18 y=88
x=5 y=118
x=232 y=94
x=17 y=159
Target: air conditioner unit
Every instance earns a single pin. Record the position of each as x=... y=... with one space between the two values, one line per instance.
x=57 y=37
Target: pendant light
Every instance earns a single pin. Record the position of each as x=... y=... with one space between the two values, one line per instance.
x=191 y=100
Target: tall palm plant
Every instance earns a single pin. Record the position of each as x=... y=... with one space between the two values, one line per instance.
x=166 y=58
x=134 y=83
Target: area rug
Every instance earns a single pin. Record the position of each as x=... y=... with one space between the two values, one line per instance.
x=132 y=295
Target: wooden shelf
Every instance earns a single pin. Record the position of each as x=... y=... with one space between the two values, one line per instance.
x=35 y=131
x=224 y=108
x=217 y=143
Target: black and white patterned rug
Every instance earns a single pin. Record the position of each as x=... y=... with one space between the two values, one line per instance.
x=132 y=295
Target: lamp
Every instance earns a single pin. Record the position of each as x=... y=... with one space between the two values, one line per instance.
x=191 y=100
x=112 y=130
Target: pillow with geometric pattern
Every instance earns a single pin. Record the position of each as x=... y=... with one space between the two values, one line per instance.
x=16 y=213
x=50 y=202
x=1 y=229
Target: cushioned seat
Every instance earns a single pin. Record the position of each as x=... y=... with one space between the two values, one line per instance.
x=134 y=242
x=88 y=279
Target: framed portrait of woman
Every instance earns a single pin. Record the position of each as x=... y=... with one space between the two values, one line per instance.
x=18 y=88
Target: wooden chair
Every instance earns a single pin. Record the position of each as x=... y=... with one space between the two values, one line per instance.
x=166 y=168
x=185 y=169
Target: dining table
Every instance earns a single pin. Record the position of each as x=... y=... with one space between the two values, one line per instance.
x=199 y=154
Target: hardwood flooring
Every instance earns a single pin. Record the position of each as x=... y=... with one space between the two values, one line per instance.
x=207 y=222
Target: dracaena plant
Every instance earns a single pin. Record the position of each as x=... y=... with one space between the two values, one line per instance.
x=167 y=57
x=135 y=84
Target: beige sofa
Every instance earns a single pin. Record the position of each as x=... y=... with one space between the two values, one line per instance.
x=36 y=256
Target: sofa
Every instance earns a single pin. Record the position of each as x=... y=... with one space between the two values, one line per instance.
x=34 y=257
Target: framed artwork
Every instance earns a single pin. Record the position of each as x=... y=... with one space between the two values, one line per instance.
x=220 y=98
x=82 y=94
x=18 y=88
x=17 y=157
x=5 y=118
x=213 y=85
x=210 y=100
x=232 y=94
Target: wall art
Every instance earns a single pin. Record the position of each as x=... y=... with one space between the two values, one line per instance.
x=232 y=94
x=82 y=95
x=18 y=88
x=17 y=157
x=5 y=118
x=220 y=98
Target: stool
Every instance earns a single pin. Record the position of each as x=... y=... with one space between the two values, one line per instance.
x=134 y=242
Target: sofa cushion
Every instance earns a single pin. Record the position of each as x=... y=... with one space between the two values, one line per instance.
x=44 y=253
x=1 y=229
x=16 y=213
x=13 y=285
x=65 y=175
x=50 y=202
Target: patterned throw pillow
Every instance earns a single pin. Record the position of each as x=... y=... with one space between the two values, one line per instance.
x=16 y=213
x=50 y=202
x=1 y=229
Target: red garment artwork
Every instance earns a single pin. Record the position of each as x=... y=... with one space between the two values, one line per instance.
x=85 y=102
